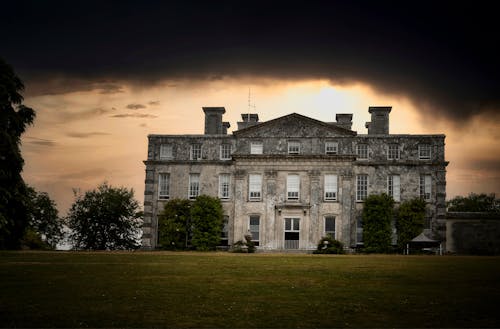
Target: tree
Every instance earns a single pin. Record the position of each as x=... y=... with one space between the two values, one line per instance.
x=409 y=221
x=475 y=203
x=14 y=119
x=174 y=227
x=377 y=216
x=106 y=218
x=206 y=218
x=44 y=221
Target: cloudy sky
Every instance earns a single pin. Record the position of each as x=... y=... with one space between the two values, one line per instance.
x=102 y=75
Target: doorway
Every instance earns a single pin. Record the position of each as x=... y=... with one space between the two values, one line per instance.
x=292 y=233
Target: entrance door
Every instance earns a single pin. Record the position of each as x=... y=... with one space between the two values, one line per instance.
x=292 y=233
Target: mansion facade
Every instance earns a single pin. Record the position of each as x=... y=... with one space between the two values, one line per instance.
x=292 y=180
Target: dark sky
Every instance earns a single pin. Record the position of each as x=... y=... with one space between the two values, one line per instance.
x=443 y=55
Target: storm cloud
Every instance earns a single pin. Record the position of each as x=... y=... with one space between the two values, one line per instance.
x=441 y=55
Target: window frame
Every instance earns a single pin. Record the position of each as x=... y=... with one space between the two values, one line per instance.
x=334 y=235
x=293 y=147
x=335 y=146
x=425 y=187
x=326 y=189
x=252 y=183
x=293 y=187
x=390 y=152
x=164 y=196
x=194 y=186
x=423 y=149
x=256 y=148
x=195 y=148
x=225 y=152
x=252 y=232
x=224 y=187
x=362 y=151
x=393 y=185
x=361 y=195
x=164 y=154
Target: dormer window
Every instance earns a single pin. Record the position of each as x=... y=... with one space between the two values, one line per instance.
x=293 y=148
x=331 y=147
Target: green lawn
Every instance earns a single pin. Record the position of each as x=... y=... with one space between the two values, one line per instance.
x=162 y=289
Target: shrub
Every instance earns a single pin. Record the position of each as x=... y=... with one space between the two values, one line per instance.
x=328 y=245
x=377 y=216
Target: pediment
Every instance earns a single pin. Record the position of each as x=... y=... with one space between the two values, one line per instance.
x=294 y=126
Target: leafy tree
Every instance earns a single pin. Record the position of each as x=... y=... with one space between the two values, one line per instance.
x=174 y=225
x=377 y=216
x=328 y=245
x=14 y=119
x=44 y=221
x=106 y=218
x=206 y=218
x=409 y=220
x=475 y=203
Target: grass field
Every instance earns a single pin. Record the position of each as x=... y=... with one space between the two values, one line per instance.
x=161 y=289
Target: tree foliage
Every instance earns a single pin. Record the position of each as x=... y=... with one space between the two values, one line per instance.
x=328 y=245
x=377 y=216
x=106 y=218
x=14 y=119
x=409 y=220
x=174 y=227
x=184 y=224
x=206 y=218
x=475 y=203
x=44 y=222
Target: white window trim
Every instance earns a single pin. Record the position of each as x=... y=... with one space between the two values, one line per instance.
x=426 y=187
x=394 y=183
x=359 y=156
x=221 y=154
x=254 y=194
x=293 y=187
x=164 y=155
x=334 y=226
x=333 y=145
x=389 y=152
x=160 y=195
x=293 y=147
x=328 y=188
x=421 y=148
x=358 y=199
x=250 y=227
x=221 y=187
x=191 y=153
x=256 y=148
x=191 y=181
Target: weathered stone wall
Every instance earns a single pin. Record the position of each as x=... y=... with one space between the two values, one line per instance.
x=473 y=233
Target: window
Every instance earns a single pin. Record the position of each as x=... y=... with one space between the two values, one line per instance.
x=330 y=226
x=359 y=230
x=225 y=229
x=393 y=152
x=195 y=151
x=424 y=152
x=331 y=147
x=163 y=186
x=225 y=152
x=254 y=228
x=256 y=148
x=362 y=151
x=361 y=187
x=393 y=187
x=292 y=224
x=224 y=183
x=425 y=187
x=292 y=233
x=254 y=186
x=166 y=151
x=293 y=187
x=293 y=148
x=194 y=186
x=330 y=187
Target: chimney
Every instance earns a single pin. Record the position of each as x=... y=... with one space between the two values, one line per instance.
x=249 y=119
x=225 y=126
x=213 y=120
x=344 y=120
x=379 y=124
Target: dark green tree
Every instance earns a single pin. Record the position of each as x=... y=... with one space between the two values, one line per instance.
x=14 y=119
x=409 y=220
x=174 y=227
x=206 y=219
x=106 y=218
x=475 y=203
x=377 y=216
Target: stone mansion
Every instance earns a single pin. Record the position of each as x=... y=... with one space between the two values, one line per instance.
x=291 y=180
